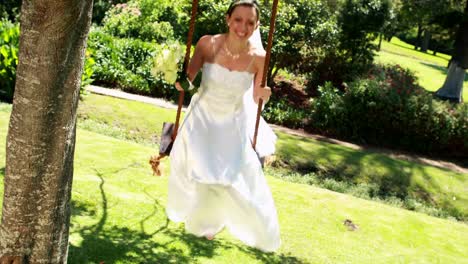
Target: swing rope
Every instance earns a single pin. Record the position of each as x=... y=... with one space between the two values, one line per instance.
x=156 y=160
x=185 y=66
x=266 y=66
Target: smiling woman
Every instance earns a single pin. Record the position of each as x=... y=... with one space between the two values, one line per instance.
x=216 y=178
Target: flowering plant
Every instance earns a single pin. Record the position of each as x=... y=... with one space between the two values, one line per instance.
x=168 y=62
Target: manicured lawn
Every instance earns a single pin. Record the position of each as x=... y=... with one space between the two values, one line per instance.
x=431 y=70
x=374 y=174
x=118 y=217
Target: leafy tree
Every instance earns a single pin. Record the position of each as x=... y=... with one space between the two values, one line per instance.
x=41 y=134
x=420 y=13
x=395 y=22
x=360 y=21
x=148 y=20
x=305 y=31
x=100 y=7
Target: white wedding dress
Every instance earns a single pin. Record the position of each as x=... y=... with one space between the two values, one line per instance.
x=216 y=178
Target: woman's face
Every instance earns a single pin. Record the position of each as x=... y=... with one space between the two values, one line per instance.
x=242 y=22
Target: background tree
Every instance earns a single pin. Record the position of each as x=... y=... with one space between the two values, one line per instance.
x=41 y=135
x=394 y=23
x=420 y=14
x=453 y=85
x=304 y=31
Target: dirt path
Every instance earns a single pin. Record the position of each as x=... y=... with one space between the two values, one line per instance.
x=394 y=154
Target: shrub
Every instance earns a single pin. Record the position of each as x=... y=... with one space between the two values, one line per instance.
x=100 y=8
x=148 y=20
x=280 y=112
x=126 y=64
x=387 y=108
x=10 y=9
x=88 y=70
x=9 y=42
x=327 y=110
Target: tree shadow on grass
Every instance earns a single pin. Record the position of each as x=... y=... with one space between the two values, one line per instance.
x=385 y=177
x=105 y=243
x=442 y=69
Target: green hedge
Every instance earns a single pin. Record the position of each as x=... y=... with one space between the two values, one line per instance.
x=387 y=108
x=126 y=64
x=9 y=42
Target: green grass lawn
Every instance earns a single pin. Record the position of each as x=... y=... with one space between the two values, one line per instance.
x=118 y=206
x=431 y=70
x=367 y=174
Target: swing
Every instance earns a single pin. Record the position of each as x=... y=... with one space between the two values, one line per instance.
x=169 y=130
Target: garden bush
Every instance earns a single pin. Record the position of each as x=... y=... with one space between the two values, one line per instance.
x=388 y=108
x=126 y=64
x=9 y=42
x=148 y=20
x=279 y=111
x=100 y=8
x=10 y=9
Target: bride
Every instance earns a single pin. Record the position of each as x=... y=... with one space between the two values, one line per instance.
x=216 y=178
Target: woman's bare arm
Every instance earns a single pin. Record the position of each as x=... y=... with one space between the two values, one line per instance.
x=199 y=57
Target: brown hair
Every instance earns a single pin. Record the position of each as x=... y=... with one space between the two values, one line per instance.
x=249 y=3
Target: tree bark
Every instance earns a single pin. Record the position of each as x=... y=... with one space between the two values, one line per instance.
x=418 y=37
x=380 y=41
x=41 y=136
x=453 y=85
x=426 y=40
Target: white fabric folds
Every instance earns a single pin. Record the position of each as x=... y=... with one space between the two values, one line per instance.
x=216 y=178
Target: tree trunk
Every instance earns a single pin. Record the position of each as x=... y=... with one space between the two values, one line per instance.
x=461 y=41
x=380 y=41
x=453 y=85
x=41 y=136
x=426 y=39
x=418 y=37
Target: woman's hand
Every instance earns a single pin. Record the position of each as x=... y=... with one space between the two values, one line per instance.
x=263 y=93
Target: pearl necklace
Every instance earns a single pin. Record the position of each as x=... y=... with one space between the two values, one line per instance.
x=230 y=54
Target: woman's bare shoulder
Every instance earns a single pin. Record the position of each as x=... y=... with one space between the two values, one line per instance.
x=206 y=42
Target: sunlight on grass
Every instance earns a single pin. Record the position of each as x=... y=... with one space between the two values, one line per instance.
x=123 y=119
x=431 y=70
x=393 y=176
x=118 y=208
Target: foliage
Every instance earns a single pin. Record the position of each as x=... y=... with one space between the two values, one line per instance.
x=10 y=9
x=305 y=32
x=100 y=7
x=127 y=64
x=328 y=112
x=433 y=17
x=210 y=18
x=280 y=112
x=388 y=108
x=148 y=20
x=88 y=70
x=360 y=21
x=9 y=42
